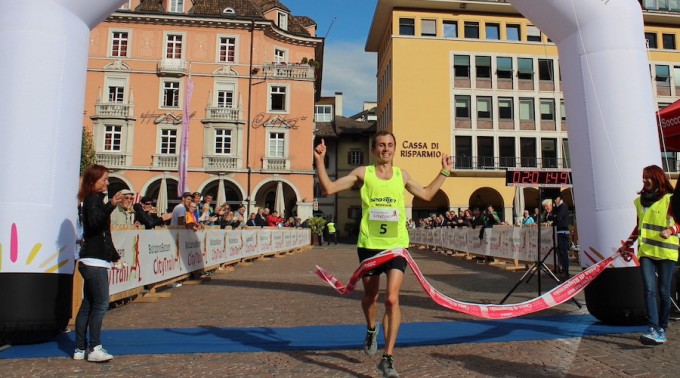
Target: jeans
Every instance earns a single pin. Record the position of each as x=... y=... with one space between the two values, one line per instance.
x=94 y=306
x=657 y=313
x=563 y=251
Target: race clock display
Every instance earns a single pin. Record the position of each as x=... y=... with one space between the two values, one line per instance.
x=545 y=178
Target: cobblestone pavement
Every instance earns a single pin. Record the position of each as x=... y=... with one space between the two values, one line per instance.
x=285 y=292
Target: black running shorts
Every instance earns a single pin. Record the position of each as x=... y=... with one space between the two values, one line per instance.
x=395 y=263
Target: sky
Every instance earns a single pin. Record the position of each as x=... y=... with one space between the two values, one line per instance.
x=347 y=67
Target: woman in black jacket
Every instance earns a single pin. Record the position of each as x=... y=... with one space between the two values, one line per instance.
x=96 y=256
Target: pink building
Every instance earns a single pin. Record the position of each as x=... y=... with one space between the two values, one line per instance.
x=256 y=73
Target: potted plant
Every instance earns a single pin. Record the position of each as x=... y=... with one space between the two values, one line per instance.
x=316 y=226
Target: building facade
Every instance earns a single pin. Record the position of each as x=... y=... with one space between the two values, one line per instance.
x=477 y=80
x=347 y=140
x=255 y=70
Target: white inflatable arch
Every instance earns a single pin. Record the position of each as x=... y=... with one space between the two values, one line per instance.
x=612 y=132
x=44 y=45
x=610 y=106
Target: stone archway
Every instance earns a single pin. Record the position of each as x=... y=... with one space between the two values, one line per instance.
x=486 y=196
x=438 y=205
x=232 y=194
x=265 y=197
x=531 y=200
x=117 y=184
x=568 y=198
x=153 y=189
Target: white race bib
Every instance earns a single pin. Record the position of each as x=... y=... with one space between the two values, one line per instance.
x=383 y=215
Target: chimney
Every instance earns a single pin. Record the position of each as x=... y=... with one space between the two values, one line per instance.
x=338 y=103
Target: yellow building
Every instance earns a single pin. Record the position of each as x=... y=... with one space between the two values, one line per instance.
x=256 y=75
x=478 y=81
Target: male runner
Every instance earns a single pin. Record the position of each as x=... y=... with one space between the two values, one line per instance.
x=383 y=226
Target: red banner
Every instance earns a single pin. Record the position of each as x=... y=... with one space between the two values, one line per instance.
x=560 y=294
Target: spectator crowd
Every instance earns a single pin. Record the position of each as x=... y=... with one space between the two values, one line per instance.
x=194 y=212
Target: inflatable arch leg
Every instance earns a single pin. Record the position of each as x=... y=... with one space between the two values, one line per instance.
x=609 y=99
x=44 y=45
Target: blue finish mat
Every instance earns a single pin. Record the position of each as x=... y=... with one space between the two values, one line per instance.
x=262 y=339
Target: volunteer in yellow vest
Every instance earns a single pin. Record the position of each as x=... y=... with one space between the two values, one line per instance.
x=383 y=226
x=332 y=234
x=656 y=233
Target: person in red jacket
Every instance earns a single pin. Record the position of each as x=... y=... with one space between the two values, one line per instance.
x=273 y=219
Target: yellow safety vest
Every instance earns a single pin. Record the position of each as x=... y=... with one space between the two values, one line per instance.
x=383 y=221
x=651 y=221
x=331 y=227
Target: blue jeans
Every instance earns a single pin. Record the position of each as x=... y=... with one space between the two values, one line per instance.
x=94 y=306
x=657 y=313
x=563 y=251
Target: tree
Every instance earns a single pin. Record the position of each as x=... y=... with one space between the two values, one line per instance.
x=87 y=153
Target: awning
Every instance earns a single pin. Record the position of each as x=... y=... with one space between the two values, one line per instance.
x=668 y=119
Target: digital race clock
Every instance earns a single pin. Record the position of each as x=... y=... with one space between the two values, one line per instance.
x=545 y=178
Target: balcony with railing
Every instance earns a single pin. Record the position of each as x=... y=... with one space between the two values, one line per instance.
x=660 y=6
x=113 y=110
x=113 y=159
x=275 y=164
x=221 y=162
x=171 y=67
x=671 y=164
x=164 y=161
x=222 y=114
x=495 y=163
x=288 y=70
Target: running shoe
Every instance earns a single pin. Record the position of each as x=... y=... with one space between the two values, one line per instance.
x=386 y=365
x=371 y=341
x=79 y=354
x=99 y=354
x=653 y=337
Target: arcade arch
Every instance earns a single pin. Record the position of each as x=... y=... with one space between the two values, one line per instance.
x=266 y=191
x=486 y=196
x=233 y=193
x=118 y=183
x=153 y=190
x=531 y=199
x=438 y=205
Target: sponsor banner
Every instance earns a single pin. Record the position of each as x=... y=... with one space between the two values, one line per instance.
x=494 y=241
x=302 y=237
x=152 y=256
x=129 y=275
x=215 y=247
x=249 y=243
x=546 y=240
x=277 y=240
x=517 y=241
x=474 y=243
x=264 y=241
x=507 y=242
x=439 y=236
x=449 y=238
x=460 y=239
x=522 y=254
x=502 y=241
x=234 y=241
x=288 y=240
x=560 y=294
x=191 y=250
x=429 y=236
